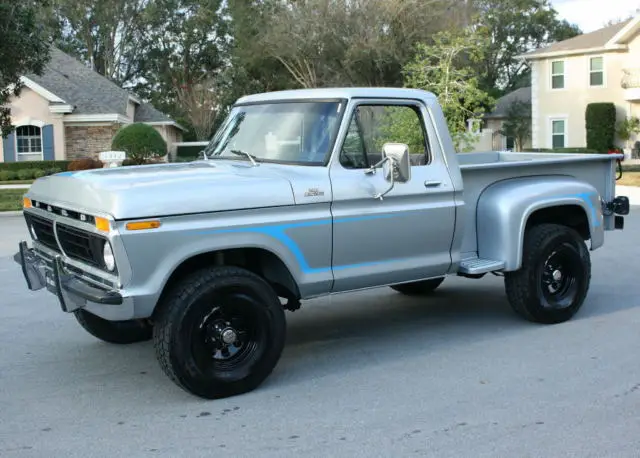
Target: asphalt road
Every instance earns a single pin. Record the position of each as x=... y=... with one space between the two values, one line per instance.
x=371 y=374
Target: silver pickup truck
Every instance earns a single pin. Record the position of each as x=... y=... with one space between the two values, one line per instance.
x=302 y=194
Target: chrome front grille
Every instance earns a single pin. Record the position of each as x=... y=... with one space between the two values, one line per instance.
x=43 y=229
x=61 y=238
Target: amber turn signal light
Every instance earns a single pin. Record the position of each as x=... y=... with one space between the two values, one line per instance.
x=141 y=225
x=102 y=224
x=26 y=202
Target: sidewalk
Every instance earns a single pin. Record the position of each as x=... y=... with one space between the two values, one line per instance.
x=14 y=186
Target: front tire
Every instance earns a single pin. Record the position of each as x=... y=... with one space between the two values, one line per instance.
x=418 y=288
x=115 y=332
x=220 y=332
x=552 y=283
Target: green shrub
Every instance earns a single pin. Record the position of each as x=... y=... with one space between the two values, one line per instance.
x=15 y=166
x=4 y=175
x=141 y=142
x=600 y=119
x=25 y=174
x=38 y=173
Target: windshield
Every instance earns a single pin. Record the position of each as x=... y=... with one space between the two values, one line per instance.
x=289 y=132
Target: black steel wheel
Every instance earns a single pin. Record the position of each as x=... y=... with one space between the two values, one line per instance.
x=418 y=288
x=554 y=279
x=115 y=332
x=220 y=332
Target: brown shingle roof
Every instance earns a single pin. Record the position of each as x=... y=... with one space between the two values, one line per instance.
x=595 y=39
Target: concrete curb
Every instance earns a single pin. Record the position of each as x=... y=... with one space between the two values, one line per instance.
x=11 y=213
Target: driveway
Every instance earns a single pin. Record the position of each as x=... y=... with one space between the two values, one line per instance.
x=371 y=374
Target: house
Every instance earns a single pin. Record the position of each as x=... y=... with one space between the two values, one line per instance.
x=489 y=127
x=71 y=111
x=601 y=66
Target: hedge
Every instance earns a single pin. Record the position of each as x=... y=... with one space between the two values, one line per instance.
x=600 y=119
x=44 y=165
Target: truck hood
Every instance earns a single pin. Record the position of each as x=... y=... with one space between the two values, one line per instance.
x=166 y=189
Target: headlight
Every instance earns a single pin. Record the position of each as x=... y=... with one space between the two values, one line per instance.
x=107 y=256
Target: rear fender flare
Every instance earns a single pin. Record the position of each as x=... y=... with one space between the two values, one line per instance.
x=505 y=207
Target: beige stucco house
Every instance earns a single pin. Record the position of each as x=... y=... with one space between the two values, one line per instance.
x=601 y=66
x=70 y=112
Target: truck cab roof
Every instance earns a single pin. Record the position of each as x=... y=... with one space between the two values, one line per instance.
x=338 y=93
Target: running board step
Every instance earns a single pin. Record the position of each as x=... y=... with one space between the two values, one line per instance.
x=477 y=266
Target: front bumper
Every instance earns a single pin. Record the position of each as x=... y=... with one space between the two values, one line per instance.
x=73 y=293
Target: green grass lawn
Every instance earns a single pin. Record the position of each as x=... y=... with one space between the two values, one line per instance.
x=629 y=179
x=11 y=199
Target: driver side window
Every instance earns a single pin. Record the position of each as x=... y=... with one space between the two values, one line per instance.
x=352 y=155
x=372 y=126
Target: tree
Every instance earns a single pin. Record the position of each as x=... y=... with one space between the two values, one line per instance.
x=628 y=127
x=24 y=49
x=515 y=27
x=518 y=123
x=200 y=104
x=186 y=43
x=106 y=34
x=447 y=68
x=353 y=42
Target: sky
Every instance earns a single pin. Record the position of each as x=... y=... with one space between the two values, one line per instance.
x=591 y=15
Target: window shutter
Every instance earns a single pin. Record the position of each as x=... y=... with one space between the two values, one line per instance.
x=48 y=153
x=9 y=147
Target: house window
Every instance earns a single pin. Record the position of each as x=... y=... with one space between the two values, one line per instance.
x=557 y=74
x=558 y=133
x=28 y=143
x=596 y=71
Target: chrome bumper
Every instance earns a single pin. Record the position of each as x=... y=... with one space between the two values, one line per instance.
x=72 y=292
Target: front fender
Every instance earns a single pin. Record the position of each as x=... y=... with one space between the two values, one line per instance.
x=505 y=207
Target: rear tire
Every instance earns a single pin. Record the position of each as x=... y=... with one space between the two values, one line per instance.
x=418 y=288
x=554 y=279
x=115 y=332
x=220 y=332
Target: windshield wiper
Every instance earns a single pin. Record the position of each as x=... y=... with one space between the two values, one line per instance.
x=251 y=157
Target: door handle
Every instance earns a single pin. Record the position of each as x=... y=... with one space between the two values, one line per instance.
x=432 y=184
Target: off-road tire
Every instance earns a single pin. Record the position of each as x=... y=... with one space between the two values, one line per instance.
x=115 y=332
x=524 y=287
x=183 y=350
x=418 y=288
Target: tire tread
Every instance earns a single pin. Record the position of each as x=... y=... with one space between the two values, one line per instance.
x=517 y=284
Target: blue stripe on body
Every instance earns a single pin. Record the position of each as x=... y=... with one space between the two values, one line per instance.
x=277 y=232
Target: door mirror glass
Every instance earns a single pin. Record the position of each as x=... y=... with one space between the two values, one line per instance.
x=398 y=155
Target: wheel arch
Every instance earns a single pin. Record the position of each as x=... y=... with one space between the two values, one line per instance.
x=258 y=260
x=508 y=208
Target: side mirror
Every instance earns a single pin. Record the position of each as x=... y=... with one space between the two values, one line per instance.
x=399 y=162
x=396 y=165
